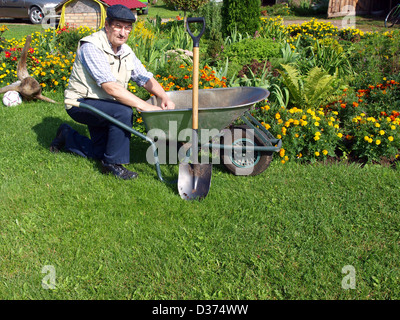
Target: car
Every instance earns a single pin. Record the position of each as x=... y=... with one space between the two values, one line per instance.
x=35 y=10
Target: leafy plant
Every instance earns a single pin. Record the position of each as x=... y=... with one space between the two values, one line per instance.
x=332 y=59
x=311 y=90
x=243 y=52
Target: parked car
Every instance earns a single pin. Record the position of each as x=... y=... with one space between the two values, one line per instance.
x=35 y=10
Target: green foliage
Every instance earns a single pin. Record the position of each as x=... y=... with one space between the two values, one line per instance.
x=374 y=57
x=278 y=9
x=256 y=74
x=186 y=5
x=330 y=56
x=212 y=14
x=240 y=15
x=311 y=90
x=243 y=52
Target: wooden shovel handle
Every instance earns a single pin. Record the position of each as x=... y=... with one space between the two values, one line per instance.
x=195 y=96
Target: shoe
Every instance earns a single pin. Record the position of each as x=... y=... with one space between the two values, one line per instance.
x=59 y=141
x=118 y=170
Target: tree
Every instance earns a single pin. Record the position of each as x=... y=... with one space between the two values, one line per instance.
x=240 y=15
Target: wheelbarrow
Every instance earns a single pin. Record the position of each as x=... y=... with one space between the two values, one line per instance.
x=245 y=149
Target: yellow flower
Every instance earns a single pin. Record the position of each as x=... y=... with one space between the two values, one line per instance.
x=266 y=125
x=378 y=142
x=340 y=135
x=382 y=132
x=317 y=153
x=325 y=152
x=390 y=138
x=282 y=152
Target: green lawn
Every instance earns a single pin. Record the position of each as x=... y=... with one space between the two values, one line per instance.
x=19 y=31
x=285 y=234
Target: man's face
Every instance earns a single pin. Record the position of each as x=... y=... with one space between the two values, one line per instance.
x=118 y=32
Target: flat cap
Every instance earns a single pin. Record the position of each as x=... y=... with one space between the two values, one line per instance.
x=120 y=12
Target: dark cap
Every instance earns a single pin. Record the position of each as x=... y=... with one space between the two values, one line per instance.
x=120 y=12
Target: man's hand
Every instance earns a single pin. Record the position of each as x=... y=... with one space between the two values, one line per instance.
x=167 y=104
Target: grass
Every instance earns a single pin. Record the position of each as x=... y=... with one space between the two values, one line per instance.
x=161 y=10
x=19 y=31
x=285 y=234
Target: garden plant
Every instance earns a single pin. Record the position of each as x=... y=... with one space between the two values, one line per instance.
x=334 y=102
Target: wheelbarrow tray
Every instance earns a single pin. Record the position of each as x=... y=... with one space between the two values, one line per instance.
x=218 y=108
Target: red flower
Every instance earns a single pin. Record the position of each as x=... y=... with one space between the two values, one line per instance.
x=8 y=54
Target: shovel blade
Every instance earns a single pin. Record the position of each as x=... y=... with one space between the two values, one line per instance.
x=194 y=180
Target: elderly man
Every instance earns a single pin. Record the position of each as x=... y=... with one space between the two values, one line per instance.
x=102 y=69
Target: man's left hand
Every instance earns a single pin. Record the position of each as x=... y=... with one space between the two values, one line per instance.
x=167 y=105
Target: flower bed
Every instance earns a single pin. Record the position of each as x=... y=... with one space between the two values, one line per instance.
x=358 y=118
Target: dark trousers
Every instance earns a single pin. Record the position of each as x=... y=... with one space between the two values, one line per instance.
x=107 y=141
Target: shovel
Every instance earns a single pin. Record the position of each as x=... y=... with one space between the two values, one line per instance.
x=194 y=178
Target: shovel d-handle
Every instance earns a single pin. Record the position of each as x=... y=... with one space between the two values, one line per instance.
x=196 y=39
x=76 y=103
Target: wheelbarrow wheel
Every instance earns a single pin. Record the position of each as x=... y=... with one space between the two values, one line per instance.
x=241 y=163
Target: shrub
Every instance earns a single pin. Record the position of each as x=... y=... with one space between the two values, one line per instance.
x=240 y=15
x=186 y=5
x=245 y=51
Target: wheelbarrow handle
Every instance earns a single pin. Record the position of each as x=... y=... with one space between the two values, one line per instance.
x=196 y=39
x=71 y=102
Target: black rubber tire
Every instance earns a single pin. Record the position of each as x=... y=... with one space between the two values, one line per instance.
x=36 y=15
x=393 y=17
x=244 y=164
